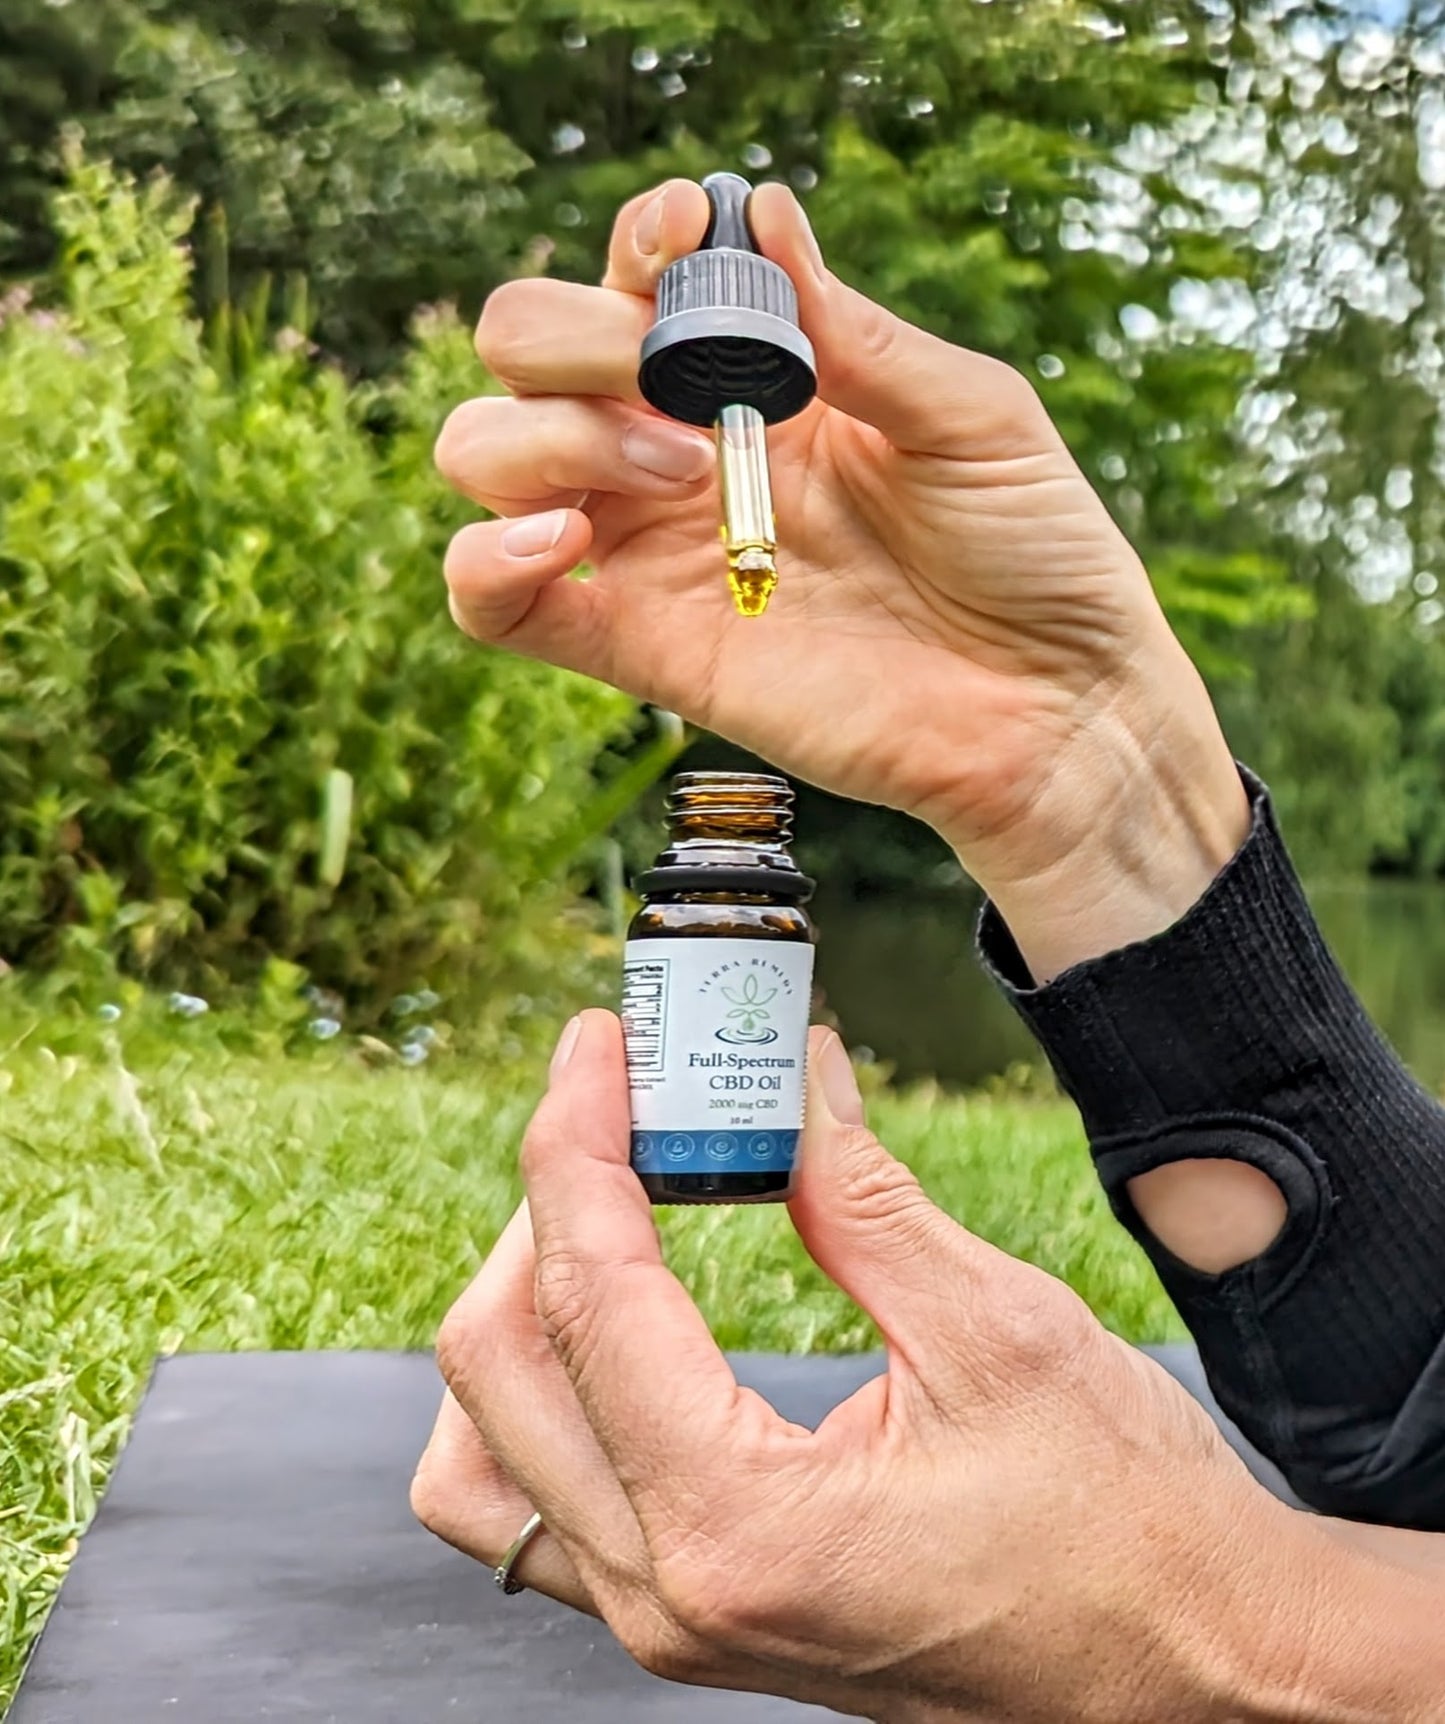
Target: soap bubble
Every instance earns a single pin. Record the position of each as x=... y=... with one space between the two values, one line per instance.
x=804 y=177
x=757 y=156
x=187 y=1005
x=420 y=1036
x=109 y=1013
x=645 y=59
x=672 y=84
x=1050 y=366
x=918 y=107
x=413 y=1054
x=574 y=38
x=427 y=1001
x=324 y=1028
x=567 y=138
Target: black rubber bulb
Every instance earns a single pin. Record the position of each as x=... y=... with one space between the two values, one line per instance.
x=726 y=332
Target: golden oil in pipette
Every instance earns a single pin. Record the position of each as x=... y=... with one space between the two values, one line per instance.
x=752 y=577
x=749 y=531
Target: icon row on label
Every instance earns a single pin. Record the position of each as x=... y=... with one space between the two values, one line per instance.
x=720 y=1146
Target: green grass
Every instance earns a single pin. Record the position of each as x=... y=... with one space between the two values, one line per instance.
x=170 y=1194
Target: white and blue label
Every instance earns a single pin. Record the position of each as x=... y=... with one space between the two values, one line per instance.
x=717 y=1047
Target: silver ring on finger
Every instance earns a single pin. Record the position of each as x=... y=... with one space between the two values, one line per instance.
x=502 y=1573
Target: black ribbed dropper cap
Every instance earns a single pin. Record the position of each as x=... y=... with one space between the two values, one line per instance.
x=726 y=332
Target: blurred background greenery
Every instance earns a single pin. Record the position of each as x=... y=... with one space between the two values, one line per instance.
x=247 y=764
x=244 y=245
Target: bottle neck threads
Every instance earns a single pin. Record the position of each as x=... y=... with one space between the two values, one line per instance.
x=728 y=832
x=730 y=808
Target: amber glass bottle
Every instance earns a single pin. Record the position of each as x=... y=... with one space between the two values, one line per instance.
x=716 y=988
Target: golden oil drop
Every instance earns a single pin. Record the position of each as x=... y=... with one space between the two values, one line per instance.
x=752 y=577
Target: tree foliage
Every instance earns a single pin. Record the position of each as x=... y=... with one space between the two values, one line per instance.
x=1207 y=231
x=1339 y=123
x=964 y=159
x=219 y=593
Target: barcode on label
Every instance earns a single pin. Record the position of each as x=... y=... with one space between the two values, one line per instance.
x=644 y=1013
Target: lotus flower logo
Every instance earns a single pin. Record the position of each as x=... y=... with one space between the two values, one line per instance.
x=748 y=1019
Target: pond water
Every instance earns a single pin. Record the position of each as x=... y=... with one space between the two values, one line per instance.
x=901 y=975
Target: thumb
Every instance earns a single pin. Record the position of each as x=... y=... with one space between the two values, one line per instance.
x=925 y=395
x=508 y=584
x=865 y=1220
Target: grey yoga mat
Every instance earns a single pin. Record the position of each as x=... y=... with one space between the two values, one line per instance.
x=255 y=1558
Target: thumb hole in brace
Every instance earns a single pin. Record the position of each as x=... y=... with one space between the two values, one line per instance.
x=1216 y=1197
x=1212 y=1215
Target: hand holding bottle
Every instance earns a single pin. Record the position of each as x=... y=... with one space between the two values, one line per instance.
x=1023 y=1520
x=962 y=632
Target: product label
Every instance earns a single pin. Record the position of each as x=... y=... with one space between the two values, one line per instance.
x=717 y=1043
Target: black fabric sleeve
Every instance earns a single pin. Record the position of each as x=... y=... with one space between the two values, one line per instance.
x=1234 y=1035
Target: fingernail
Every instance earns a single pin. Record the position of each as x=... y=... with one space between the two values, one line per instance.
x=839 y=1083
x=669 y=453
x=534 y=534
x=566 y=1046
x=649 y=225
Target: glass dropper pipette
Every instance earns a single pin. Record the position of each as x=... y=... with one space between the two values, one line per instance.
x=726 y=352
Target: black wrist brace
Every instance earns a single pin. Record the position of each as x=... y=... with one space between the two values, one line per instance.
x=1234 y=1036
